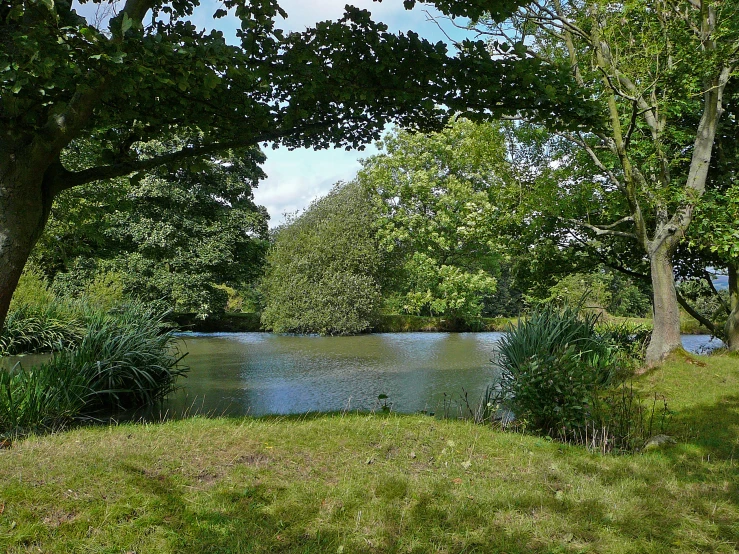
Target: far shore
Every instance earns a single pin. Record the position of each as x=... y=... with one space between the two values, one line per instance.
x=398 y=323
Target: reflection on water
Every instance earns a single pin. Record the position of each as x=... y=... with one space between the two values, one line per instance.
x=262 y=373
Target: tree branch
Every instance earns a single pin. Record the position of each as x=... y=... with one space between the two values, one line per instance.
x=703 y=320
x=607 y=229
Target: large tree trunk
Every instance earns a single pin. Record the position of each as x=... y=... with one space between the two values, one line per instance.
x=732 y=323
x=666 y=333
x=24 y=208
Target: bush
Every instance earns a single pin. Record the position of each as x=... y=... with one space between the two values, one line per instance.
x=564 y=377
x=322 y=272
x=628 y=340
x=553 y=366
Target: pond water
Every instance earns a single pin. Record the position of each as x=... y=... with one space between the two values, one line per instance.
x=264 y=373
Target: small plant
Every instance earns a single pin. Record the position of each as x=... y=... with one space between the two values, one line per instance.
x=382 y=403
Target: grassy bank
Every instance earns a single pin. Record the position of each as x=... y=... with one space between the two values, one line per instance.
x=360 y=483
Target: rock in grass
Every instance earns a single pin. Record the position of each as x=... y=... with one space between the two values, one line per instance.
x=657 y=442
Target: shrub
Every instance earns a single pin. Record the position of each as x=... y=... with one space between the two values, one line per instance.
x=553 y=366
x=322 y=272
x=126 y=358
x=628 y=340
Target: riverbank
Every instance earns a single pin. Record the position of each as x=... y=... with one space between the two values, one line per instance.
x=397 y=323
x=364 y=483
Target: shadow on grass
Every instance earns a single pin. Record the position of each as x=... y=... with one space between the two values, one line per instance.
x=255 y=519
x=713 y=428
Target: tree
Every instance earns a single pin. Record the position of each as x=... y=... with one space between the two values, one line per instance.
x=322 y=273
x=652 y=66
x=173 y=234
x=438 y=200
x=151 y=74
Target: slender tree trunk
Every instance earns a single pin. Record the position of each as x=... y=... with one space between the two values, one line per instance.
x=666 y=333
x=732 y=323
x=24 y=207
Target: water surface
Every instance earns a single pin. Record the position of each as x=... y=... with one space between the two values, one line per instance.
x=264 y=373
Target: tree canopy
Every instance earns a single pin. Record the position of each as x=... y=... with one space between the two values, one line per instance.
x=437 y=198
x=659 y=72
x=173 y=234
x=150 y=73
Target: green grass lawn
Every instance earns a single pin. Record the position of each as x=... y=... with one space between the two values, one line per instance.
x=362 y=483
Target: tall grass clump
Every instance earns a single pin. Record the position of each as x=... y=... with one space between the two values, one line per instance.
x=553 y=364
x=38 y=320
x=564 y=377
x=127 y=358
x=40 y=399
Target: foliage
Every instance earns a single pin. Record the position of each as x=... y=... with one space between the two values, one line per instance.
x=322 y=271
x=32 y=290
x=39 y=321
x=437 y=197
x=152 y=71
x=172 y=235
x=553 y=366
x=628 y=341
x=125 y=358
x=601 y=291
x=646 y=170
x=444 y=290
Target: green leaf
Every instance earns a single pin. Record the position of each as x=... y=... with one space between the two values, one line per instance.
x=126 y=24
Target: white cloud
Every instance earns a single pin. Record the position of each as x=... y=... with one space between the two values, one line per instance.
x=296 y=178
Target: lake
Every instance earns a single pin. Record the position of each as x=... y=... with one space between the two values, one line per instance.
x=264 y=373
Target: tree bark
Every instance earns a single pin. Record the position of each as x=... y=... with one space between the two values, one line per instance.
x=666 y=333
x=731 y=328
x=24 y=208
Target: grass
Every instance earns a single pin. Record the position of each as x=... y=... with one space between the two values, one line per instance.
x=364 y=483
